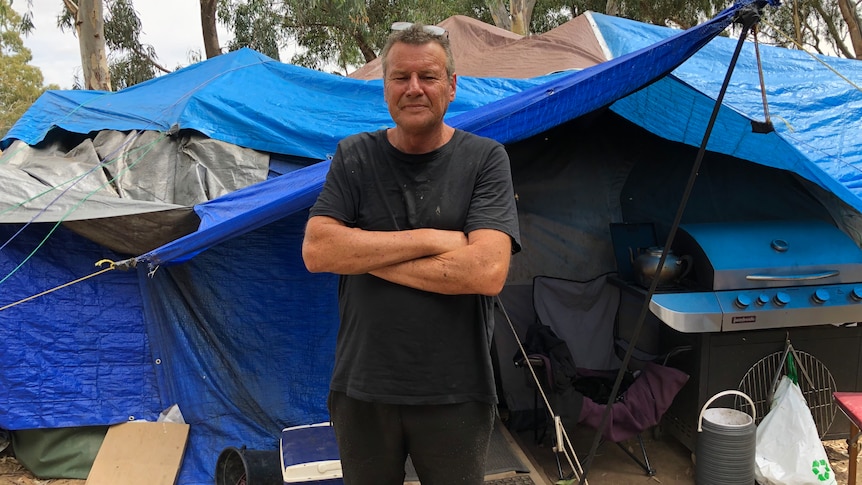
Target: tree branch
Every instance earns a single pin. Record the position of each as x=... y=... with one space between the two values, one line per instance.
x=833 y=31
x=72 y=6
x=137 y=49
x=854 y=25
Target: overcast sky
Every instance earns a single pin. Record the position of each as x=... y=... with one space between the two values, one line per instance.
x=172 y=27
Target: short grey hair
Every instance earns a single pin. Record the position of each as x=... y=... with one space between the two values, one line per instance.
x=417 y=35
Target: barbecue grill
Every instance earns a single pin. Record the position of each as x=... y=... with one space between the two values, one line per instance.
x=771 y=274
x=753 y=287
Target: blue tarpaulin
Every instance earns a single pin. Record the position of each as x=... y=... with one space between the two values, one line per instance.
x=241 y=335
x=244 y=98
x=514 y=118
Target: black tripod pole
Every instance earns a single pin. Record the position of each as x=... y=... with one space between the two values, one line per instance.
x=747 y=17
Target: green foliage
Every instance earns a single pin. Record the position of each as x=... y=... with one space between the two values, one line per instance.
x=130 y=61
x=669 y=13
x=816 y=25
x=328 y=33
x=255 y=25
x=20 y=83
x=349 y=33
x=672 y=13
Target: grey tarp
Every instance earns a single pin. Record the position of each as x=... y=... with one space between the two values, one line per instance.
x=130 y=192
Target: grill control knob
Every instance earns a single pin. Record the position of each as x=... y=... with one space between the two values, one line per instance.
x=781 y=298
x=742 y=301
x=820 y=296
x=856 y=293
x=763 y=299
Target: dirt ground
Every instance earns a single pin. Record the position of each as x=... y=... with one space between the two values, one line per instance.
x=612 y=466
x=12 y=473
x=671 y=460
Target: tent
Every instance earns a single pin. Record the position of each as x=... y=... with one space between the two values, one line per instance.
x=218 y=314
x=483 y=50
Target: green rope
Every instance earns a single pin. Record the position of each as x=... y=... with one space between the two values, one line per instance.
x=149 y=147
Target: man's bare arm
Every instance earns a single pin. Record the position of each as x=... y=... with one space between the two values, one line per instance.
x=480 y=267
x=330 y=246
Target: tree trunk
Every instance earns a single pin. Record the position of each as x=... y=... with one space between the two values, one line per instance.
x=832 y=28
x=367 y=51
x=797 y=25
x=94 y=60
x=854 y=25
x=522 y=12
x=208 y=25
x=612 y=7
x=499 y=14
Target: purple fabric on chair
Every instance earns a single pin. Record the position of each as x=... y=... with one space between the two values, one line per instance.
x=643 y=405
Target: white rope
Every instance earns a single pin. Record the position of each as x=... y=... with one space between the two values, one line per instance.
x=563 y=443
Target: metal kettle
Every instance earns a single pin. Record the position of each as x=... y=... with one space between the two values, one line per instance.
x=645 y=266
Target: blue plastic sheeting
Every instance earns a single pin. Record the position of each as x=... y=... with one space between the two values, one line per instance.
x=508 y=120
x=245 y=338
x=78 y=356
x=243 y=211
x=555 y=102
x=244 y=98
x=815 y=104
x=241 y=336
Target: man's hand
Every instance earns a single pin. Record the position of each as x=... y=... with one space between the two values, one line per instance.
x=480 y=267
x=330 y=246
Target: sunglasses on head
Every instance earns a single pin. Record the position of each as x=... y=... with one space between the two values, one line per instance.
x=429 y=29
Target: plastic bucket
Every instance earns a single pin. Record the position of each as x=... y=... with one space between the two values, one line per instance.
x=249 y=467
x=725 y=444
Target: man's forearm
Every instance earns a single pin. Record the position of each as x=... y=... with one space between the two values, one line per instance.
x=475 y=269
x=330 y=246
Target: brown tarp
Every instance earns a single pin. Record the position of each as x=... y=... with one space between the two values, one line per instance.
x=483 y=50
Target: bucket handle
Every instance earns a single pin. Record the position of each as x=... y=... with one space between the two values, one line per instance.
x=722 y=394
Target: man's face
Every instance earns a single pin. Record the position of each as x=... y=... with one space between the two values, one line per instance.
x=416 y=88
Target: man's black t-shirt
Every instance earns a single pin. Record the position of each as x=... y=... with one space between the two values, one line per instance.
x=396 y=344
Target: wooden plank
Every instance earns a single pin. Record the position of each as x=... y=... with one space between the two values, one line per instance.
x=536 y=474
x=140 y=453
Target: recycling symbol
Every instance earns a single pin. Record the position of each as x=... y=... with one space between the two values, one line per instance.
x=820 y=469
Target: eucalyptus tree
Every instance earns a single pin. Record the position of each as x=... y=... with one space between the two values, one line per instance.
x=824 y=26
x=20 y=82
x=328 y=33
x=87 y=18
x=209 y=28
x=127 y=60
x=347 y=33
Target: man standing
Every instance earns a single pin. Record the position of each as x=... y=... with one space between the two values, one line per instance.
x=420 y=221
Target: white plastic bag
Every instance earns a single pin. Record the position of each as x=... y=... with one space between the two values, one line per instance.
x=788 y=450
x=172 y=415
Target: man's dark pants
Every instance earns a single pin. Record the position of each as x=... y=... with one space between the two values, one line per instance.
x=446 y=443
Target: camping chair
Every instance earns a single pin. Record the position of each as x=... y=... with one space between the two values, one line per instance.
x=572 y=342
